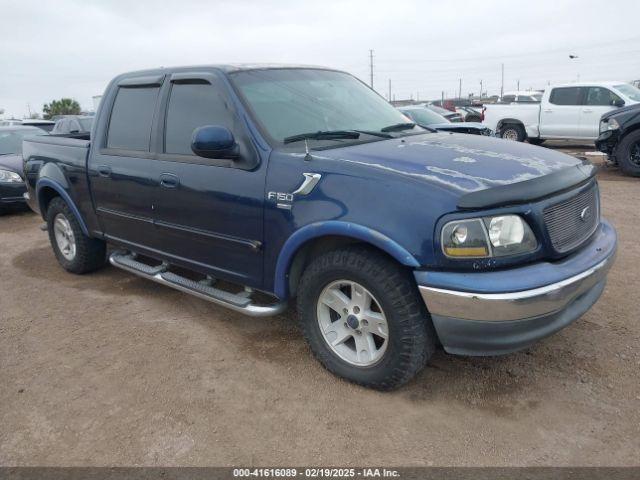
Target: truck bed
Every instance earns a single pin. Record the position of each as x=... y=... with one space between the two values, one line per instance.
x=69 y=151
x=526 y=113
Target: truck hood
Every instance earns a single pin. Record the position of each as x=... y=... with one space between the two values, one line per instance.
x=11 y=162
x=629 y=110
x=460 y=163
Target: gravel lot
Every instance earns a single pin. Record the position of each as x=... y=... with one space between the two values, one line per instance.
x=110 y=369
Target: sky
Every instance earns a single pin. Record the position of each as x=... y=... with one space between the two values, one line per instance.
x=72 y=48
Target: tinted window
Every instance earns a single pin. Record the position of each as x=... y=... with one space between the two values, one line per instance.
x=192 y=105
x=60 y=126
x=509 y=98
x=601 y=96
x=85 y=123
x=11 y=140
x=131 y=117
x=565 y=96
x=74 y=126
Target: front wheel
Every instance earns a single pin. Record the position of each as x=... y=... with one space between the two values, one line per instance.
x=628 y=154
x=513 y=132
x=363 y=318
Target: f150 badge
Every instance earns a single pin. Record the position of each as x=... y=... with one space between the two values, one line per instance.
x=284 y=200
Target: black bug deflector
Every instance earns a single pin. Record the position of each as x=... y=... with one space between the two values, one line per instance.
x=529 y=190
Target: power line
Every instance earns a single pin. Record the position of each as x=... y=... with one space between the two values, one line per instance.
x=371 y=68
x=519 y=54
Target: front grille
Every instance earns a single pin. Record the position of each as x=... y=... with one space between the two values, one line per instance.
x=572 y=221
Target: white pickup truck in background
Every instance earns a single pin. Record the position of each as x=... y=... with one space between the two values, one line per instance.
x=569 y=111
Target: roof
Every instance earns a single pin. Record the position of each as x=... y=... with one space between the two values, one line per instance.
x=523 y=92
x=609 y=83
x=412 y=107
x=225 y=67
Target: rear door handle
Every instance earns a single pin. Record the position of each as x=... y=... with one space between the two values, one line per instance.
x=548 y=111
x=587 y=110
x=169 y=180
x=104 y=171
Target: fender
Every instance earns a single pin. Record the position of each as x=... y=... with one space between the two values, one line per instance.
x=345 y=229
x=47 y=182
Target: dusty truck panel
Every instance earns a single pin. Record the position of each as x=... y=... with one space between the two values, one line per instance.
x=250 y=186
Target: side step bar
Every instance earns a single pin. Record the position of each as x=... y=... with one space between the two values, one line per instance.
x=240 y=302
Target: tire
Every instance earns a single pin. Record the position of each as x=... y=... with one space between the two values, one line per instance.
x=410 y=339
x=535 y=141
x=628 y=154
x=84 y=254
x=511 y=131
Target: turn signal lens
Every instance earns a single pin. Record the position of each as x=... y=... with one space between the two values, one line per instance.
x=465 y=238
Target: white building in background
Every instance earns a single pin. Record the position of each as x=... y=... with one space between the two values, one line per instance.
x=96 y=102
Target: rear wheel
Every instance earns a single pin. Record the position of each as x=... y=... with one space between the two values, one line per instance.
x=364 y=319
x=628 y=154
x=514 y=132
x=75 y=251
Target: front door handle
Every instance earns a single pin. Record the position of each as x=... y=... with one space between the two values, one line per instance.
x=104 y=171
x=587 y=110
x=169 y=180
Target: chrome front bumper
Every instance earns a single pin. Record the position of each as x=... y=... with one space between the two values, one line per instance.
x=515 y=305
x=502 y=311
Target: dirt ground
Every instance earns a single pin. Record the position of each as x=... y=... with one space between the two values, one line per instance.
x=110 y=369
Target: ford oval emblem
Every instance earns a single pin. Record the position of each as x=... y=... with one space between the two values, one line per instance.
x=585 y=214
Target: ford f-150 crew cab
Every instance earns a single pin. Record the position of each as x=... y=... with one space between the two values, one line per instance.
x=249 y=186
x=569 y=111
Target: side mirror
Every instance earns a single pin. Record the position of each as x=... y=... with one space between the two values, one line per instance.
x=618 y=103
x=213 y=141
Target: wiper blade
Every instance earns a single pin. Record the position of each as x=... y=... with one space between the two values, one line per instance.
x=375 y=134
x=398 y=127
x=322 y=135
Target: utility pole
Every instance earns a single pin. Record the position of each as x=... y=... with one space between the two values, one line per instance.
x=442 y=101
x=371 y=68
x=518 y=89
x=502 y=82
x=480 y=89
x=389 y=89
x=417 y=96
x=460 y=90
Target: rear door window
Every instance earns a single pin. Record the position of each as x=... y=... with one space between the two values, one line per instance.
x=192 y=105
x=131 y=118
x=565 y=96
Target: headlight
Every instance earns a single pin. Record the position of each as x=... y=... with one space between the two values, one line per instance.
x=7 y=176
x=610 y=124
x=487 y=237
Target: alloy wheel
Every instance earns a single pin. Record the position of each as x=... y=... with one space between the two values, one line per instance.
x=352 y=323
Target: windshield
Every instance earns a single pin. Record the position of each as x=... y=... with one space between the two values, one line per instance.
x=11 y=140
x=629 y=91
x=86 y=123
x=288 y=102
x=424 y=116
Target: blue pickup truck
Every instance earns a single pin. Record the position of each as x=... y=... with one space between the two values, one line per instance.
x=250 y=186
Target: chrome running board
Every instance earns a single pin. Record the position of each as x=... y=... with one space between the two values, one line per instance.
x=204 y=289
